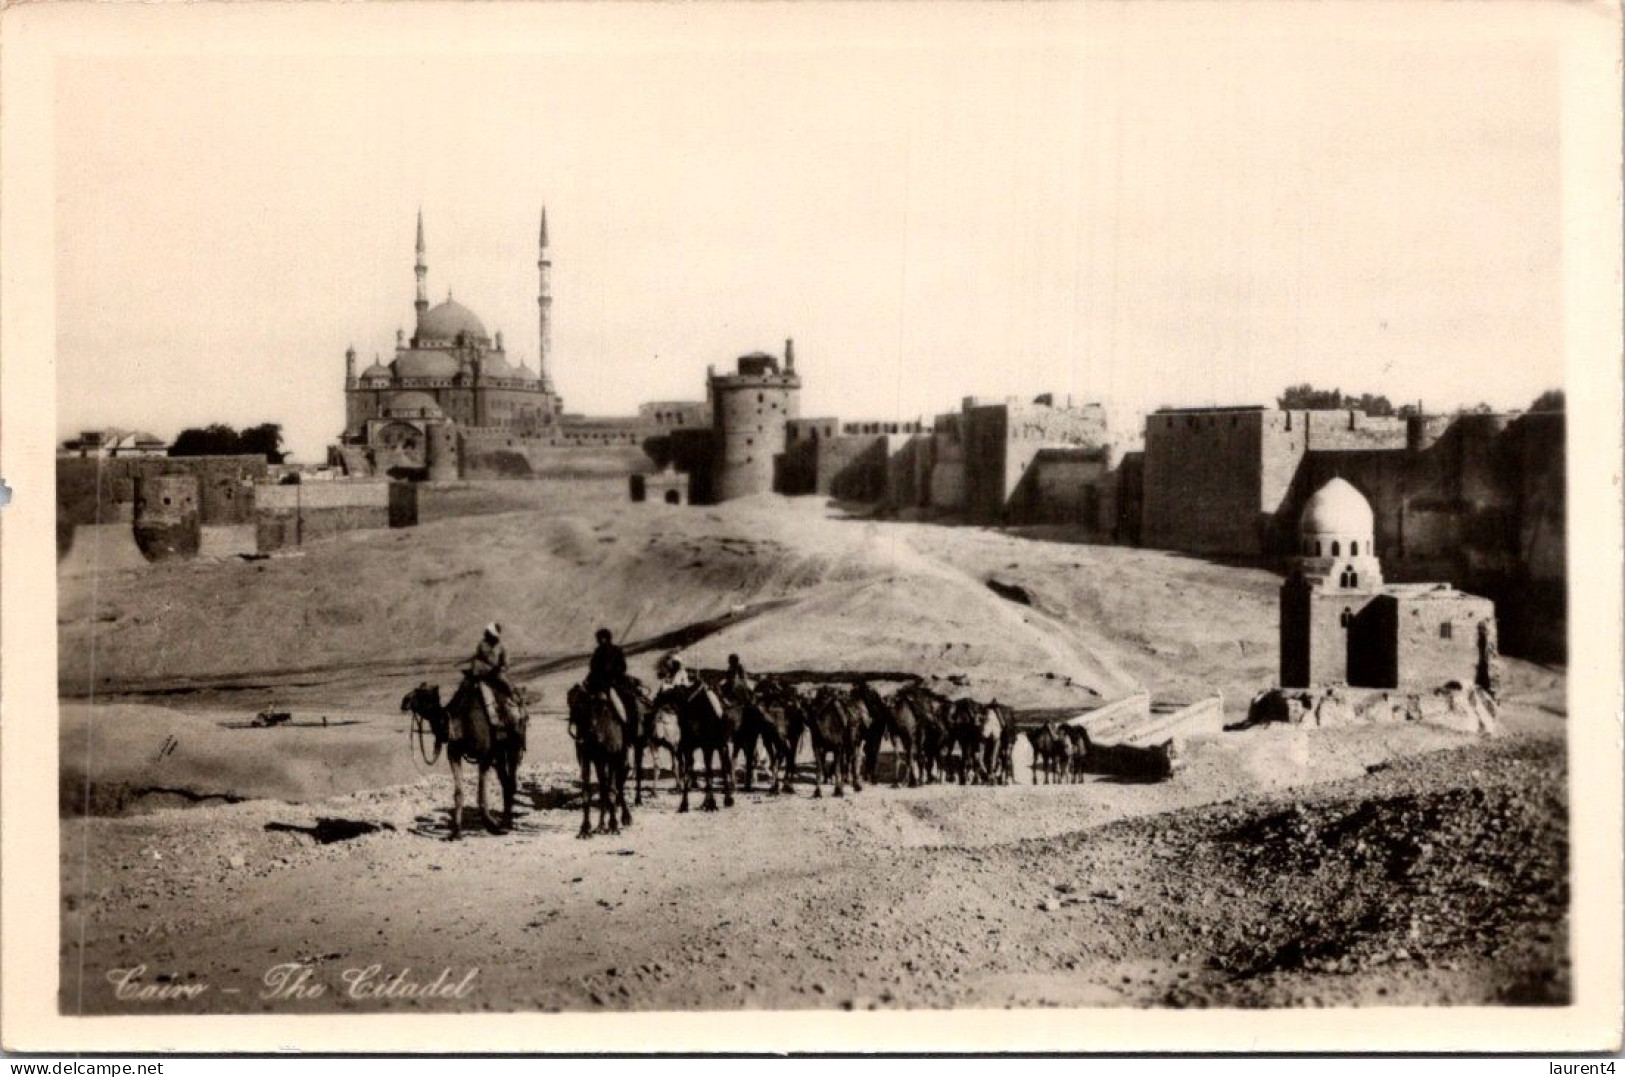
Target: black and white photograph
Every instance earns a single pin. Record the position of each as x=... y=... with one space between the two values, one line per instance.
x=813 y=511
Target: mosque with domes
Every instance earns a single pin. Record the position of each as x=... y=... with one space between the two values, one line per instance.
x=450 y=370
x=1342 y=624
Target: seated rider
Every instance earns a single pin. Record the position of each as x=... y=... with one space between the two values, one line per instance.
x=489 y=666
x=735 y=682
x=606 y=672
x=675 y=675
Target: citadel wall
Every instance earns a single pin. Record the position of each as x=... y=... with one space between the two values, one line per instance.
x=946 y=488
x=166 y=516
x=1002 y=439
x=1068 y=486
x=90 y=490
x=294 y=514
x=1211 y=475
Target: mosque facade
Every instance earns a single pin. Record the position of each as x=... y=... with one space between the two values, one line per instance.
x=449 y=370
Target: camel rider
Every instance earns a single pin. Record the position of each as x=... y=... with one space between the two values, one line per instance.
x=606 y=672
x=735 y=682
x=489 y=667
x=674 y=675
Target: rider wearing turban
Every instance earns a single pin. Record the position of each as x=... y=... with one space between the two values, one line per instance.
x=490 y=667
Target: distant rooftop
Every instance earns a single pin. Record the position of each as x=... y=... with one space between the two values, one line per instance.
x=1212 y=408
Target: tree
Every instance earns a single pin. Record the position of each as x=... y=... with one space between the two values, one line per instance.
x=1306 y=397
x=216 y=439
x=264 y=439
x=1550 y=400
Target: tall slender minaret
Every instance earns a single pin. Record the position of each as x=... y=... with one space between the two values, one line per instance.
x=544 y=301
x=421 y=269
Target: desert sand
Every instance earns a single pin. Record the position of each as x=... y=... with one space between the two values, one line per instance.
x=1281 y=866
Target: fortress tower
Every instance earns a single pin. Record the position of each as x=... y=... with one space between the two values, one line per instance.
x=749 y=409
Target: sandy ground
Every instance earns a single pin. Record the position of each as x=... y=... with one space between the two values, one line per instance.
x=332 y=861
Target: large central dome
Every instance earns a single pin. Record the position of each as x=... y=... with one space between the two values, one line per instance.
x=448 y=319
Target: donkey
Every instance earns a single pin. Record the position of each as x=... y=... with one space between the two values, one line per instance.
x=465 y=728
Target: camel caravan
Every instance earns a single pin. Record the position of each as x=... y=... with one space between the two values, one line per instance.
x=719 y=725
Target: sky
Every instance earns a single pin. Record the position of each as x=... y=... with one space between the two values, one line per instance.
x=1142 y=205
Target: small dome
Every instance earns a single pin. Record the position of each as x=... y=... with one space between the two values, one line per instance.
x=493 y=365
x=412 y=403
x=447 y=320
x=525 y=373
x=1337 y=509
x=377 y=371
x=426 y=364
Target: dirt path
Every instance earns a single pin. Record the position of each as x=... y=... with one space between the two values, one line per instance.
x=928 y=897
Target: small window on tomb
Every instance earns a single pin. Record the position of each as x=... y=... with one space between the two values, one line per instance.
x=1354 y=578
x=1347 y=617
x=1354 y=548
x=1337 y=548
x=1317 y=547
x=1445 y=630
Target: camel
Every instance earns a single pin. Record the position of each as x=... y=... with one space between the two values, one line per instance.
x=703 y=727
x=1079 y=737
x=601 y=745
x=897 y=720
x=985 y=734
x=926 y=712
x=466 y=731
x=834 y=724
x=656 y=728
x=775 y=718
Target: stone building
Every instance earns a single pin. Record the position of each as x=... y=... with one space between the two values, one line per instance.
x=749 y=412
x=1341 y=623
x=453 y=403
x=112 y=444
x=1003 y=438
x=1477 y=500
x=449 y=370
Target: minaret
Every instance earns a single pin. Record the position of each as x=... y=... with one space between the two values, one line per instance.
x=421 y=269
x=789 y=355
x=349 y=367
x=544 y=301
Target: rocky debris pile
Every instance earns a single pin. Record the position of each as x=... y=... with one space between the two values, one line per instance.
x=1436 y=877
x=1413 y=872
x=1468 y=709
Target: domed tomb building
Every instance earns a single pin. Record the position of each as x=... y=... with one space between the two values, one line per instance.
x=1342 y=624
x=450 y=370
